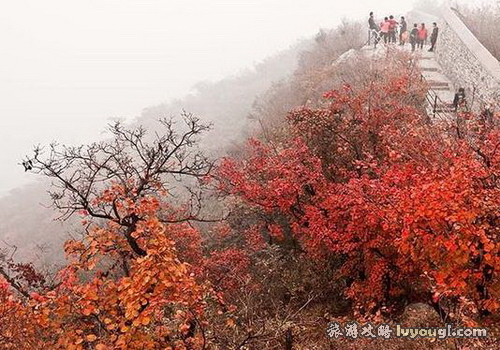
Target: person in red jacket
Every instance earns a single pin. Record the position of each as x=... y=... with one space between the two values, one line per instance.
x=384 y=29
x=393 y=24
x=422 y=36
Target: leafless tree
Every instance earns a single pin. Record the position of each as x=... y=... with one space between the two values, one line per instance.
x=139 y=162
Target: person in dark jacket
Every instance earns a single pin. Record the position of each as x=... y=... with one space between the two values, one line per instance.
x=393 y=24
x=403 y=27
x=371 y=22
x=434 y=36
x=373 y=30
x=414 y=37
x=459 y=99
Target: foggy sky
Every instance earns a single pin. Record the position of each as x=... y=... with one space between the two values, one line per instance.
x=67 y=66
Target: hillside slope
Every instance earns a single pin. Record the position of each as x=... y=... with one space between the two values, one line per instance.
x=29 y=223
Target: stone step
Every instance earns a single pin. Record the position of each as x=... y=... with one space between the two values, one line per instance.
x=430 y=69
x=441 y=88
x=445 y=103
x=443 y=111
x=448 y=113
x=438 y=83
x=443 y=108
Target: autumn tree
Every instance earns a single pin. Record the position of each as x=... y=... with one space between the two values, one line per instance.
x=405 y=204
x=128 y=284
x=362 y=196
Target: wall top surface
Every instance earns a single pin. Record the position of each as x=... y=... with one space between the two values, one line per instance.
x=471 y=42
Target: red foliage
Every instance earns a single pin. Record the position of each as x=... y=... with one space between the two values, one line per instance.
x=228 y=269
x=410 y=210
x=111 y=298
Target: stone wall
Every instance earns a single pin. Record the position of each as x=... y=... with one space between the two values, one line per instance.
x=467 y=62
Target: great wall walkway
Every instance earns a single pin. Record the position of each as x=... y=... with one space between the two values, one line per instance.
x=441 y=89
x=440 y=85
x=459 y=61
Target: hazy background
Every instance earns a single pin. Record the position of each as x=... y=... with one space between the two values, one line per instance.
x=67 y=66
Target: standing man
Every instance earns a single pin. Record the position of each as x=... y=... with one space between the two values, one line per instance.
x=392 y=29
x=371 y=22
x=373 y=31
x=434 y=36
x=414 y=37
x=402 y=32
x=422 y=36
x=384 y=29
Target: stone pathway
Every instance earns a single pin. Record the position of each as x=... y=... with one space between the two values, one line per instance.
x=440 y=86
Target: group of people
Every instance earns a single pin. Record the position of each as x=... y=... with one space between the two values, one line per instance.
x=389 y=29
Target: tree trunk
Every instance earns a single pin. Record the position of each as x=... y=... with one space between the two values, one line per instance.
x=289 y=339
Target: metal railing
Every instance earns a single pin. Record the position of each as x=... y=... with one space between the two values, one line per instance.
x=435 y=102
x=439 y=108
x=374 y=35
